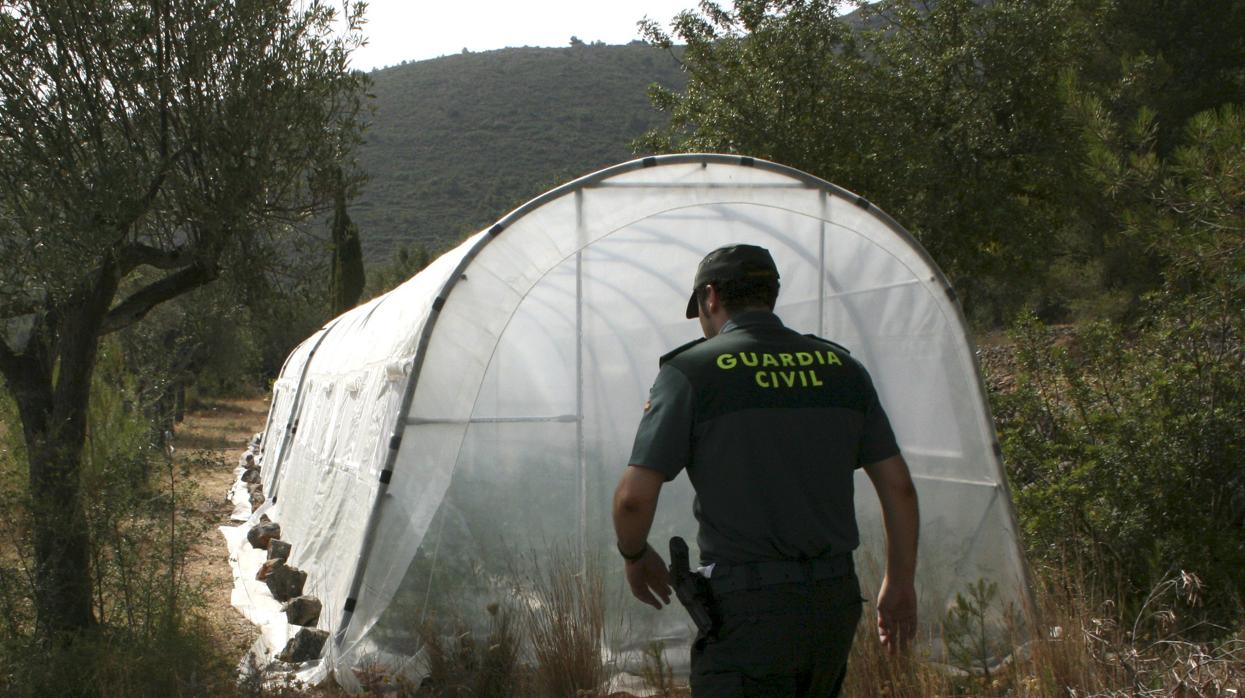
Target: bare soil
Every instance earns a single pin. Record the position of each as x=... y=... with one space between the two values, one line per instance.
x=208 y=443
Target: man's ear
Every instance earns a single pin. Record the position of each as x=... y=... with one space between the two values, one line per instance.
x=712 y=302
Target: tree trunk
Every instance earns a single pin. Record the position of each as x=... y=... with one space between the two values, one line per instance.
x=51 y=384
x=62 y=542
x=346 y=285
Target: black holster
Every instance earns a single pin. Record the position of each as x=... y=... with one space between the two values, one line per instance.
x=691 y=589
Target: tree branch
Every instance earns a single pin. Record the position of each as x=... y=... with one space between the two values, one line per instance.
x=17 y=307
x=9 y=361
x=139 y=303
x=137 y=254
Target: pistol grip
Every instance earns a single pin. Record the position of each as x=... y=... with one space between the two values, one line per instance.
x=679 y=555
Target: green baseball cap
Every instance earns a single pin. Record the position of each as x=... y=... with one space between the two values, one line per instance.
x=731 y=263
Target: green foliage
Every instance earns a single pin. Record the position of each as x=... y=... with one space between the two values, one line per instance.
x=177 y=159
x=1124 y=436
x=105 y=662
x=1055 y=155
x=120 y=445
x=457 y=142
x=961 y=119
x=207 y=340
x=1124 y=448
x=966 y=628
x=407 y=261
x=1144 y=72
x=146 y=640
x=347 y=255
x=946 y=115
x=1175 y=58
x=1184 y=209
x=283 y=309
x=144 y=148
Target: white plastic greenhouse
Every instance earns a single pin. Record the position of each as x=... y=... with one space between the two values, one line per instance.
x=422 y=446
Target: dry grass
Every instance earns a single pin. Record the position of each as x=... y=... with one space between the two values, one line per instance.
x=549 y=643
x=458 y=665
x=208 y=444
x=221 y=427
x=658 y=675
x=565 y=622
x=1085 y=649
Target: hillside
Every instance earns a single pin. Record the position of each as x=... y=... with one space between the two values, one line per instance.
x=458 y=141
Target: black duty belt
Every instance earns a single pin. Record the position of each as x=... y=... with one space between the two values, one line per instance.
x=727 y=578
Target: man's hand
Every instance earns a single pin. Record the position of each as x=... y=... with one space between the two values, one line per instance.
x=902 y=518
x=650 y=578
x=635 y=502
x=896 y=615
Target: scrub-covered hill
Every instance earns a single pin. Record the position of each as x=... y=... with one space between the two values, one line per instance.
x=458 y=141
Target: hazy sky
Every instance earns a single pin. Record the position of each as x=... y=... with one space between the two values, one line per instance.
x=399 y=30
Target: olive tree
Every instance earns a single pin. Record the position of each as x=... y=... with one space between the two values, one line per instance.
x=145 y=147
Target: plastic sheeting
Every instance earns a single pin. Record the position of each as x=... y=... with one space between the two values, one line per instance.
x=477 y=418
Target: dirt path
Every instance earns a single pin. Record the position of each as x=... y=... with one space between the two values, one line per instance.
x=208 y=444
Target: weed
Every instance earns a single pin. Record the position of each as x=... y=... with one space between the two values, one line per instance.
x=458 y=665
x=657 y=672
x=565 y=620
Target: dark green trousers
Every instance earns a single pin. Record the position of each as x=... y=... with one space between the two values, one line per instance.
x=782 y=640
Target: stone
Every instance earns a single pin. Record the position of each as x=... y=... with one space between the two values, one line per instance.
x=257 y=501
x=266 y=569
x=251 y=476
x=304 y=610
x=285 y=582
x=254 y=487
x=278 y=550
x=262 y=534
x=247 y=459
x=305 y=646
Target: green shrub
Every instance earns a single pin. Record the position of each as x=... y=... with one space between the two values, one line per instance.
x=145 y=640
x=1124 y=451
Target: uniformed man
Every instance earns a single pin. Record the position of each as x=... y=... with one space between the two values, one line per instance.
x=770 y=425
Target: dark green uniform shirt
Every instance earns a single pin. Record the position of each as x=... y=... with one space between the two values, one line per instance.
x=770 y=425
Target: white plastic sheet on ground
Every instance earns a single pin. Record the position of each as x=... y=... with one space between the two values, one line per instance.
x=478 y=417
x=255 y=602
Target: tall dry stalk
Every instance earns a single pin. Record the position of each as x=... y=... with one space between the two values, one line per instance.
x=565 y=622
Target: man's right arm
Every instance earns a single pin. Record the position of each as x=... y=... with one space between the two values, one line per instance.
x=900 y=515
x=662 y=448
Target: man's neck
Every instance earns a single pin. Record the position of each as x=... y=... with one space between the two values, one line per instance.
x=745 y=316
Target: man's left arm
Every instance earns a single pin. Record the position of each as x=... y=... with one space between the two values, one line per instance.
x=635 y=504
x=897 y=613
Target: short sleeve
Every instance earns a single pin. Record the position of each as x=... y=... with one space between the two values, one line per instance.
x=877 y=439
x=663 y=441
